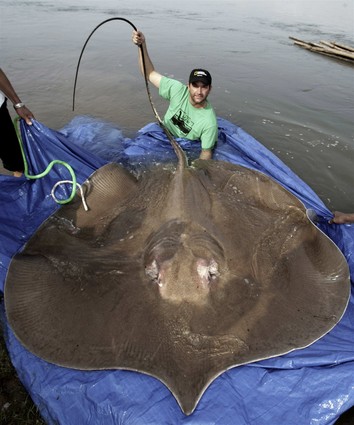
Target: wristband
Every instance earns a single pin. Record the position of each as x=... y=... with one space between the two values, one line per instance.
x=19 y=105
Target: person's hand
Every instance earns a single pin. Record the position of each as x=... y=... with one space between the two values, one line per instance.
x=25 y=113
x=138 y=38
x=342 y=218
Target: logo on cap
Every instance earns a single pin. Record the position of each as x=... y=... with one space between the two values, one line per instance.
x=200 y=74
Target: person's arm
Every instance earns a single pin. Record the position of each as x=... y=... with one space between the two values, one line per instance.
x=208 y=139
x=10 y=93
x=153 y=76
x=206 y=154
x=342 y=218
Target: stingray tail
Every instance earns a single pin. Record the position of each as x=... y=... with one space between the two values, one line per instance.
x=181 y=156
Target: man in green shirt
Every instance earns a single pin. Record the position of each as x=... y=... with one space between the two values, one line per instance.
x=189 y=115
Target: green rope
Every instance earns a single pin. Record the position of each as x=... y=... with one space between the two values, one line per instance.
x=48 y=169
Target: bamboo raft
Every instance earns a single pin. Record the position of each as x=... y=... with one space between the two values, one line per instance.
x=328 y=48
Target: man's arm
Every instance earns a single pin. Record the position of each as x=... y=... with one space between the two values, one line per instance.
x=153 y=76
x=208 y=139
x=9 y=92
x=206 y=154
x=342 y=218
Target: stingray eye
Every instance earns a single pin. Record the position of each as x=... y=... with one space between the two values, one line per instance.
x=213 y=269
x=152 y=272
x=207 y=271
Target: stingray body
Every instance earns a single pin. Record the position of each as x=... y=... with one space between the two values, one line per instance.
x=181 y=273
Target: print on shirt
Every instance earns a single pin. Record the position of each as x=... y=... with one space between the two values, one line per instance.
x=182 y=121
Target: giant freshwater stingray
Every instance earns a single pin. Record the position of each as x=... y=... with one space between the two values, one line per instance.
x=180 y=273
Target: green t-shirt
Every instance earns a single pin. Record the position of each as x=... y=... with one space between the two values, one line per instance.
x=184 y=120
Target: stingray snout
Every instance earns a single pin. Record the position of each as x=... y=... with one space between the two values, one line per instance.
x=184 y=277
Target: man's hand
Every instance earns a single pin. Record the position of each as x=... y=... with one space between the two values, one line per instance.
x=342 y=218
x=138 y=38
x=25 y=113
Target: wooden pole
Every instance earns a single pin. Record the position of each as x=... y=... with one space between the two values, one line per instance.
x=337 y=50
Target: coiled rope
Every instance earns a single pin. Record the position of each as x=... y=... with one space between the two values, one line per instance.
x=73 y=181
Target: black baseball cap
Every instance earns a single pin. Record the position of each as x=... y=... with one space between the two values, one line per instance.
x=200 y=75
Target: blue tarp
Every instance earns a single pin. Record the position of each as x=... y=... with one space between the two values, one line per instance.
x=309 y=386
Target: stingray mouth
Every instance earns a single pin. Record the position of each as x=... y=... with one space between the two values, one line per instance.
x=184 y=262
